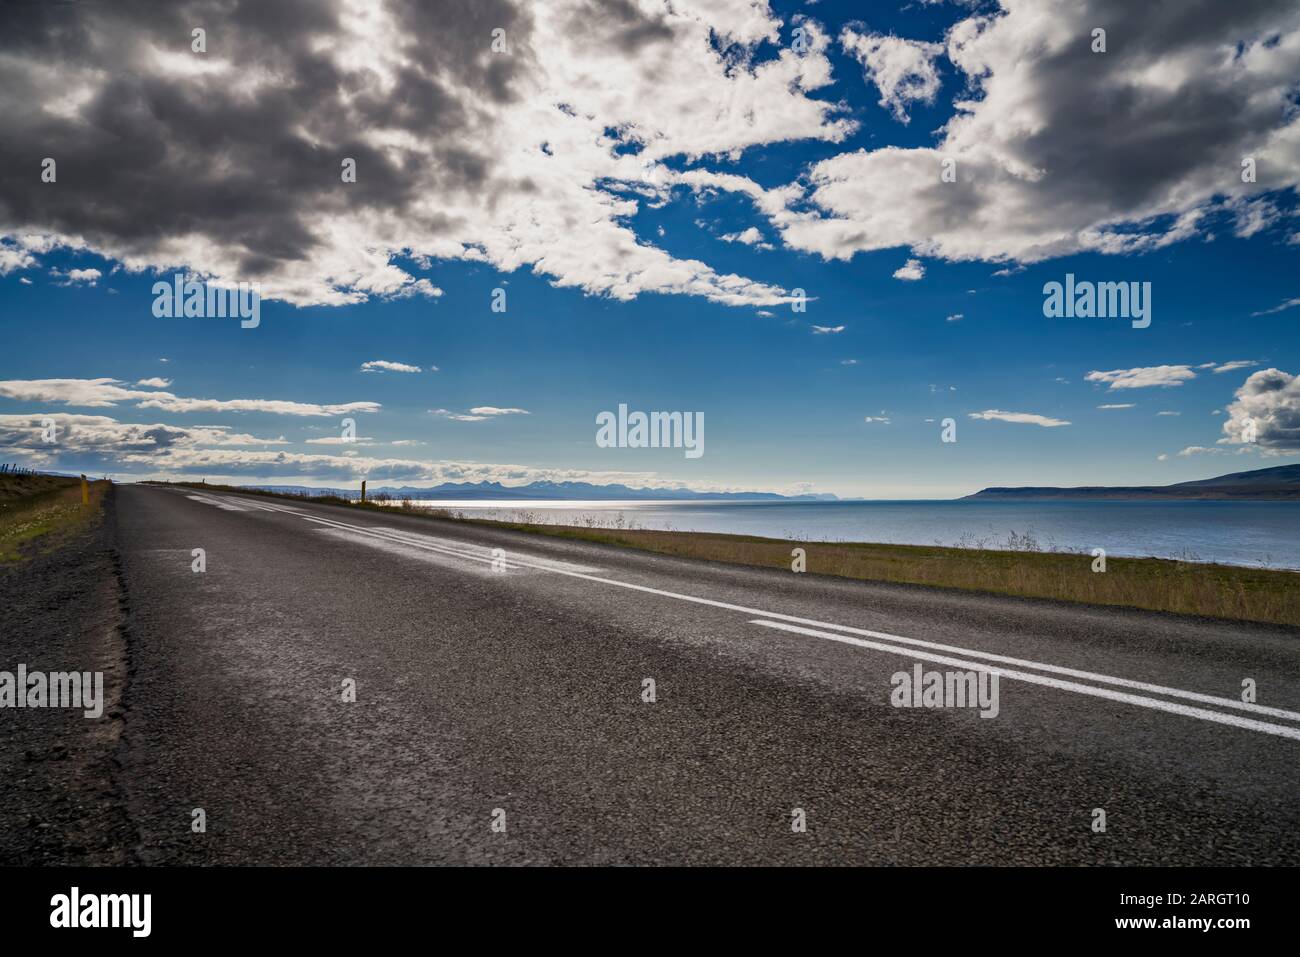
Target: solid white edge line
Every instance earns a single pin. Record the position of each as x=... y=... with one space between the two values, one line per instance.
x=1203 y=714
x=916 y=642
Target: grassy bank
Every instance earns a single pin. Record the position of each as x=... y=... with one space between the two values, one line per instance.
x=1154 y=584
x=42 y=511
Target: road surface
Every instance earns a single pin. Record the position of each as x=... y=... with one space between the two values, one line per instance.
x=507 y=688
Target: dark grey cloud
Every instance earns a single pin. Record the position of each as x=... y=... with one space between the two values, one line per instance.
x=149 y=155
x=227 y=163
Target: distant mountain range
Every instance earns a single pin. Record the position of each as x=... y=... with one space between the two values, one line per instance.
x=1278 y=484
x=548 y=491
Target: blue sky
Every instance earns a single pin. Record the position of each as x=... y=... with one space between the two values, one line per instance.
x=855 y=412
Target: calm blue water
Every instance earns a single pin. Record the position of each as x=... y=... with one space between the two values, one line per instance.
x=1240 y=533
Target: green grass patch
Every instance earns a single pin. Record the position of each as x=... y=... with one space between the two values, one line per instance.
x=40 y=512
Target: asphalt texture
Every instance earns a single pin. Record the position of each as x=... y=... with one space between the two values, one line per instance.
x=500 y=713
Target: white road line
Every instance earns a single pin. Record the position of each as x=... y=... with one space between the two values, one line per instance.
x=1203 y=714
x=419 y=541
x=896 y=639
x=206 y=500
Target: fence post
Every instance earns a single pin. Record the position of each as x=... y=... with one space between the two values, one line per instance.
x=363 y=490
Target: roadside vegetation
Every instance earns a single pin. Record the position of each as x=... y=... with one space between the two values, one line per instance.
x=39 y=512
x=1017 y=565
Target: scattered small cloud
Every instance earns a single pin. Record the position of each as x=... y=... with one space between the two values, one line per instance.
x=1021 y=418
x=384 y=365
x=477 y=414
x=1280 y=307
x=154 y=383
x=76 y=277
x=826 y=330
x=1143 y=377
x=339 y=440
x=457 y=416
x=1234 y=366
x=910 y=271
x=1116 y=405
x=750 y=237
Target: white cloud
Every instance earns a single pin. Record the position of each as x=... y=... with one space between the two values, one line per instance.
x=15 y=255
x=884 y=420
x=1235 y=365
x=1034 y=180
x=383 y=365
x=457 y=416
x=826 y=330
x=157 y=382
x=1143 y=377
x=1116 y=405
x=106 y=392
x=750 y=237
x=77 y=277
x=903 y=70
x=479 y=413
x=956 y=317
x=911 y=270
x=1268 y=404
x=1168 y=413
x=81 y=434
x=163 y=451
x=538 y=159
x=1023 y=418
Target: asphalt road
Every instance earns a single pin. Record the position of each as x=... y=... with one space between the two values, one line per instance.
x=519 y=689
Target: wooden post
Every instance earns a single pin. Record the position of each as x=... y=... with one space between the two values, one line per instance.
x=363 y=490
x=85 y=491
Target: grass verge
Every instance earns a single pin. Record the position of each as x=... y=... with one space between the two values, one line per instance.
x=1152 y=584
x=39 y=512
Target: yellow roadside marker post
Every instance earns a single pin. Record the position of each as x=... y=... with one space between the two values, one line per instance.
x=85 y=491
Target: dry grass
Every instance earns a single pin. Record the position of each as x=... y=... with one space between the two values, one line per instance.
x=39 y=512
x=1153 y=584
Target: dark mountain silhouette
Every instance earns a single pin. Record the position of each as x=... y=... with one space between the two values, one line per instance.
x=1278 y=484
